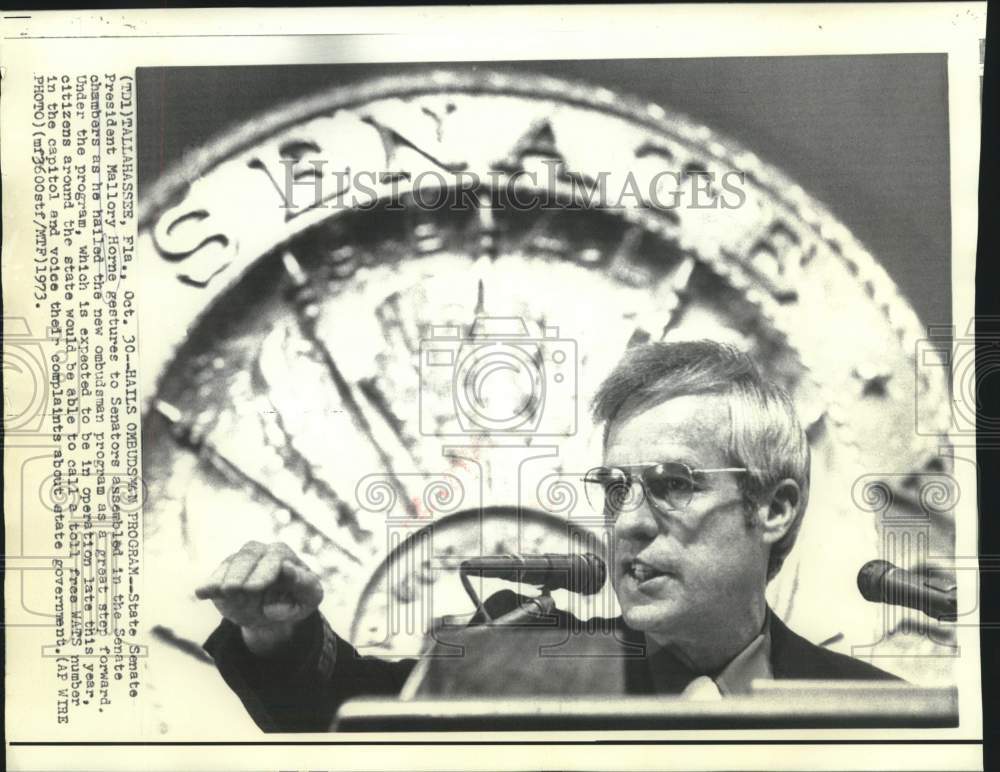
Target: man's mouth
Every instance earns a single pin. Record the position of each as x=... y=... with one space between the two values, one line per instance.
x=643 y=572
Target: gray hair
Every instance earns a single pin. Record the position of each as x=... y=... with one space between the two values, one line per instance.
x=766 y=436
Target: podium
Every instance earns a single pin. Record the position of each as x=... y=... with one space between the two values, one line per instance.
x=800 y=705
x=535 y=675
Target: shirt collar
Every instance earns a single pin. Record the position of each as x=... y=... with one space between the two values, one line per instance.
x=750 y=664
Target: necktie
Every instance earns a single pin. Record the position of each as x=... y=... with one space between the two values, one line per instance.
x=663 y=673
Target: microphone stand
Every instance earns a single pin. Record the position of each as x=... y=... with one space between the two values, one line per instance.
x=528 y=613
x=534 y=612
x=524 y=614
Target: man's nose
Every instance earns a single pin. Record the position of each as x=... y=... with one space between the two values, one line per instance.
x=636 y=519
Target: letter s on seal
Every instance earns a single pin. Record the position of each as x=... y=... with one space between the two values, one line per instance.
x=189 y=234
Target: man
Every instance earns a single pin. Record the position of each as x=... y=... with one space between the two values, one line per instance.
x=706 y=477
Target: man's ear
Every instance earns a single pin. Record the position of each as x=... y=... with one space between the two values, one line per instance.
x=778 y=514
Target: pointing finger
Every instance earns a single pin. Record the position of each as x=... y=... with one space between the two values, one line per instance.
x=239 y=569
x=264 y=573
x=213 y=587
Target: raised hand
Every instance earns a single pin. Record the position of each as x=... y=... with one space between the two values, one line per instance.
x=266 y=589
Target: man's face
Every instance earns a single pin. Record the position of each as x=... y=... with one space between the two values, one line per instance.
x=681 y=573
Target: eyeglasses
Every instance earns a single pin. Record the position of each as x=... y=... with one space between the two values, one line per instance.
x=668 y=485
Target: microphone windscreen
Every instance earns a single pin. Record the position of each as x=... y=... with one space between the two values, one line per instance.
x=871 y=579
x=590 y=576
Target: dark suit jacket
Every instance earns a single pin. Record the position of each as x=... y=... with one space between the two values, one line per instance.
x=302 y=690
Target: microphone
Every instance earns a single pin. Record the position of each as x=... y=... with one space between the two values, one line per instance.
x=583 y=574
x=881 y=582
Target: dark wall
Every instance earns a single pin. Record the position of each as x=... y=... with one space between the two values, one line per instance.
x=866 y=135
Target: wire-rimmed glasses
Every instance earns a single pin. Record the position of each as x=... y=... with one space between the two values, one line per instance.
x=669 y=485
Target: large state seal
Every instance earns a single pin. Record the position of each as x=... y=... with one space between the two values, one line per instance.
x=319 y=286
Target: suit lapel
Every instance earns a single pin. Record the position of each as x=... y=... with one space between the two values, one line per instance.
x=792 y=656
